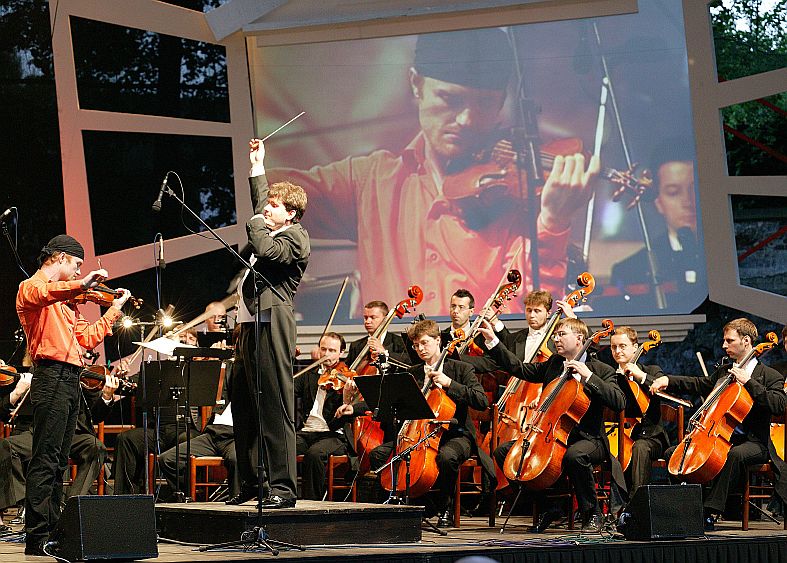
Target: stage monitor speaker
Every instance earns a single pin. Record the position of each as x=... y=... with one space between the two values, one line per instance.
x=106 y=527
x=663 y=512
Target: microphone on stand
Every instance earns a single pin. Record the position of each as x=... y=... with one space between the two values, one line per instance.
x=7 y=213
x=161 y=262
x=156 y=207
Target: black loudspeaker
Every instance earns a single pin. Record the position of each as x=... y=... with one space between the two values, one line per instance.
x=663 y=512
x=106 y=527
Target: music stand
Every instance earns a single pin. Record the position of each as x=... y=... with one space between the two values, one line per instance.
x=395 y=396
x=198 y=383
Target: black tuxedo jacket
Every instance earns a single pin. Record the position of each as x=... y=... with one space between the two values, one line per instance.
x=516 y=341
x=392 y=342
x=306 y=390
x=481 y=364
x=282 y=259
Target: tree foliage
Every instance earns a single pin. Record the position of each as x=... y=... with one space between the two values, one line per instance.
x=750 y=40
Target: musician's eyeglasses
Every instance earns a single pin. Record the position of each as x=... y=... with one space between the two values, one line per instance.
x=561 y=334
x=458 y=307
x=621 y=347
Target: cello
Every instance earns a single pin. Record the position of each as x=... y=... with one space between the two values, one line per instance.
x=423 y=459
x=514 y=404
x=368 y=433
x=703 y=451
x=536 y=458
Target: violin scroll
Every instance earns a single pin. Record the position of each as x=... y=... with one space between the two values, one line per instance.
x=772 y=340
x=628 y=181
x=607 y=327
x=508 y=290
x=655 y=340
x=415 y=297
x=587 y=283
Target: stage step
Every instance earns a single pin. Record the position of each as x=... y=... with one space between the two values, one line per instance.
x=309 y=523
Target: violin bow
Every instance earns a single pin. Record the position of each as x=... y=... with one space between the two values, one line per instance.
x=661 y=300
x=335 y=307
x=480 y=317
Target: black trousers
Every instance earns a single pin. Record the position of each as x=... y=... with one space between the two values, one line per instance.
x=54 y=396
x=451 y=454
x=128 y=468
x=742 y=454
x=277 y=404
x=316 y=447
x=643 y=453
x=217 y=440
x=579 y=460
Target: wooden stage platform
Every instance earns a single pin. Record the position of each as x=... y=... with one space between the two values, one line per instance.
x=351 y=532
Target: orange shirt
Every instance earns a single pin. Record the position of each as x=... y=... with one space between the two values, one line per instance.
x=408 y=233
x=55 y=330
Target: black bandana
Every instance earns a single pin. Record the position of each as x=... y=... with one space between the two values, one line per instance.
x=64 y=243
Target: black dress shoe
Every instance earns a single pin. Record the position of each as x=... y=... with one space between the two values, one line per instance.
x=592 y=522
x=245 y=494
x=709 y=523
x=544 y=521
x=275 y=501
x=35 y=549
x=446 y=519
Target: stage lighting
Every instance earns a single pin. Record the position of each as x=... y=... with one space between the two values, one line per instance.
x=127 y=322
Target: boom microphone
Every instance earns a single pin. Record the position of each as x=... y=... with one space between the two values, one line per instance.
x=157 y=204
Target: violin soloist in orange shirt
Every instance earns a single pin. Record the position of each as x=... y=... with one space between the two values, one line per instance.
x=55 y=329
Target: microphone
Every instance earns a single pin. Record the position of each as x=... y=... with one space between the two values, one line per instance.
x=161 y=262
x=156 y=207
x=7 y=213
x=452 y=421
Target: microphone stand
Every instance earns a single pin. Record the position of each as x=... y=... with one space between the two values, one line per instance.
x=257 y=537
x=13 y=248
x=526 y=143
x=661 y=300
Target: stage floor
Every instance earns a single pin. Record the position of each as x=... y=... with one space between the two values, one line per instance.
x=762 y=543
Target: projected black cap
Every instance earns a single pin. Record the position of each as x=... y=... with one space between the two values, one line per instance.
x=477 y=58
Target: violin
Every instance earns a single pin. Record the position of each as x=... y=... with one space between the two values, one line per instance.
x=93 y=378
x=8 y=375
x=703 y=451
x=103 y=296
x=336 y=378
x=490 y=178
x=536 y=457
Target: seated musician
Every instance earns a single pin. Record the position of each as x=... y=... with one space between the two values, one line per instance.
x=525 y=343
x=128 y=466
x=217 y=439
x=587 y=444
x=87 y=451
x=751 y=441
x=321 y=434
x=461 y=310
x=458 y=443
x=8 y=402
x=650 y=438
x=374 y=314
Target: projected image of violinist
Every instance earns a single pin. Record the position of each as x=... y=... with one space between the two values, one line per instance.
x=417 y=218
x=423 y=171
x=678 y=264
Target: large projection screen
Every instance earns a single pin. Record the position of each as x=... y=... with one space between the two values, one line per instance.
x=407 y=161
